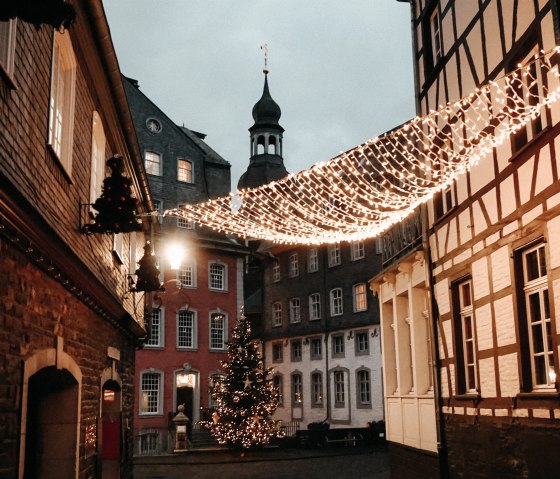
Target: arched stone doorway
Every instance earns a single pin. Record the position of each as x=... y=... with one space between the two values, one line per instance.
x=52 y=414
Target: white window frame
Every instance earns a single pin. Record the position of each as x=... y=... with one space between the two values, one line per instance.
x=357 y=250
x=97 y=174
x=313 y=260
x=314 y=306
x=276 y=271
x=296 y=347
x=8 y=47
x=339 y=383
x=193 y=328
x=360 y=297
x=185 y=173
x=278 y=382
x=277 y=347
x=338 y=345
x=297 y=389
x=468 y=336
x=539 y=286
x=362 y=343
x=118 y=246
x=293 y=265
x=160 y=321
x=334 y=255
x=276 y=314
x=316 y=388
x=211 y=331
x=217 y=282
x=363 y=384
x=183 y=273
x=158 y=205
x=436 y=36
x=62 y=100
x=157 y=392
x=185 y=223
x=336 y=302
x=295 y=310
x=153 y=163
x=312 y=352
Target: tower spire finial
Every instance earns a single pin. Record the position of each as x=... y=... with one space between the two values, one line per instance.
x=264 y=48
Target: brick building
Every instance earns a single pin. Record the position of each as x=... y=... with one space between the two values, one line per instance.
x=192 y=319
x=69 y=325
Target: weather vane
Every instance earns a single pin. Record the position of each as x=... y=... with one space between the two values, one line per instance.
x=264 y=48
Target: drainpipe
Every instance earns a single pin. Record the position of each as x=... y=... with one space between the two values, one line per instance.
x=327 y=336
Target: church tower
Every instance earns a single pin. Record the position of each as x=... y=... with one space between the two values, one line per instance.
x=266 y=163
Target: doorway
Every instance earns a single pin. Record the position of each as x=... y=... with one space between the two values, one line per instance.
x=51 y=424
x=185 y=384
x=111 y=430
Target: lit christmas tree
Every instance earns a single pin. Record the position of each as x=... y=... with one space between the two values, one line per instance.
x=246 y=397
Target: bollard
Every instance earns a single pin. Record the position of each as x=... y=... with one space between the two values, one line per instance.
x=181 y=422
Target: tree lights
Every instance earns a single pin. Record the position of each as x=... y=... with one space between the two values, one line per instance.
x=363 y=192
x=246 y=398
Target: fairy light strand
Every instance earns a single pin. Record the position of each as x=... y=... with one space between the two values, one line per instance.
x=363 y=192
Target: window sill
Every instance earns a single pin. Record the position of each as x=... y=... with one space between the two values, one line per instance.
x=213 y=290
x=540 y=394
x=213 y=350
x=186 y=348
x=467 y=397
x=362 y=353
x=147 y=415
x=154 y=348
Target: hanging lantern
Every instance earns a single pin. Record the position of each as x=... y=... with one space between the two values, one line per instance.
x=116 y=205
x=148 y=273
x=58 y=13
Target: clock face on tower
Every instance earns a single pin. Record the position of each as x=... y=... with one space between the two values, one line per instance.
x=153 y=125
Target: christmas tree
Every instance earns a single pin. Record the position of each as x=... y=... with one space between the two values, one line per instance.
x=246 y=397
x=116 y=205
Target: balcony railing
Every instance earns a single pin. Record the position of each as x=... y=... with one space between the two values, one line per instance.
x=401 y=238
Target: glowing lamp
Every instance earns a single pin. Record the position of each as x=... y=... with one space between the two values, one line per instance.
x=175 y=253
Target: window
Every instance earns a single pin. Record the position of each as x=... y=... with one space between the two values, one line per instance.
x=277 y=313
x=186 y=329
x=61 y=106
x=277 y=352
x=316 y=389
x=150 y=393
x=97 y=158
x=277 y=382
x=339 y=388
x=7 y=46
x=316 y=349
x=156 y=329
x=338 y=346
x=362 y=343
x=334 y=255
x=153 y=163
x=444 y=201
x=539 y=343
x=312 y=260
x=187 y=274
x=184 y=171
x=276 y=272
x=314 y=306
x=435 y=30
x=218 y=331
x=465 y=338
x=295 y=310
x=360 y=297
x=217 y=276
x=296 y=350
x=297 y=390
x=118 y=247
x=364 y=387
x=529 y=90
x=185 y=223
x=158 y=206
x=294 y=265
x=336 y=302
x=357 y=250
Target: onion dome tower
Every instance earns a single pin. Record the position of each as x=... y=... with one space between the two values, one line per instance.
x=266 y=163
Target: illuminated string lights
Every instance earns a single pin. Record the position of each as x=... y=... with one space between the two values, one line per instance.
x=363 y=192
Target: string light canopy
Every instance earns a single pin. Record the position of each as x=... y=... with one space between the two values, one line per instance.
x=363 y=192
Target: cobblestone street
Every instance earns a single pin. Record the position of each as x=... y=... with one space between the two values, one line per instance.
x=337 y=463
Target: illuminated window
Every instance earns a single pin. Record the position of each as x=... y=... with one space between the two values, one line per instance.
x=185 y=223
x=278 y=386
x=339 y=392
x=152 y=163
x=297 y=390
x=184 y=171
x=97 y=174
x=218 y=331
x=61 y=106
x=316 y=389
x=360 y=297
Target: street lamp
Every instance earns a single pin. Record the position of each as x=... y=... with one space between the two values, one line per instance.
x=175 y=253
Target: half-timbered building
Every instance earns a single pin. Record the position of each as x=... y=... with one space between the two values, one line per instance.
x=493 y=246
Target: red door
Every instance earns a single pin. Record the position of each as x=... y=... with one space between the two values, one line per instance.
x=111 y=439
